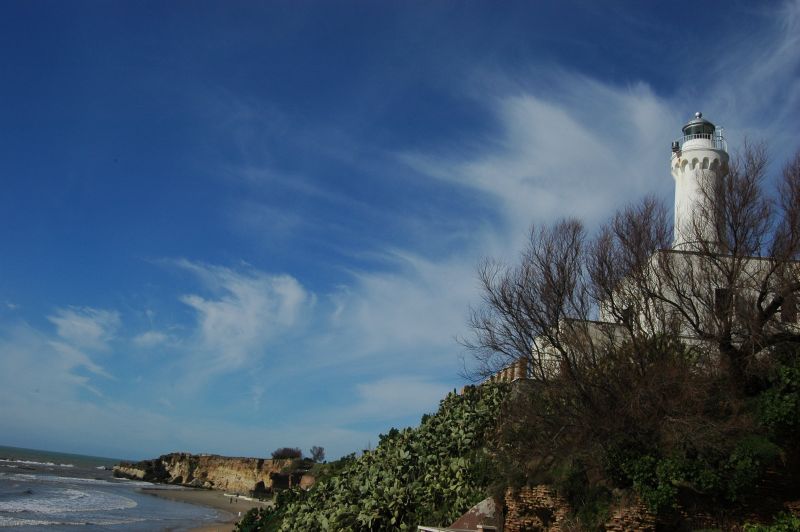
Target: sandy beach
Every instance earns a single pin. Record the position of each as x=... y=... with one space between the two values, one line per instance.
x=232 y=507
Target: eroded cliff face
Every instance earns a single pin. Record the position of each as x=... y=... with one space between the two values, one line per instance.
x=238 y=475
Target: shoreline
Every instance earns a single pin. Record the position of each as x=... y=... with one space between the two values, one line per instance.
x=230 y=508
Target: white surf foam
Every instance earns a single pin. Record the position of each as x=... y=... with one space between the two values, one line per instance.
x=25 y=477
x=68 y=500
x=70 y=480
x=22 y=477
x=13 y=521
x=32 y=463
x=6 y=522
x=129 y=482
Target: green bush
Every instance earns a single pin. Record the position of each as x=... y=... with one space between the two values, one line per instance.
x=720 y=475
x=779 y=406
x=591 y=502
x=746 y=464
x=782 y=523
x=431 y=474
x=287 y=453
x=259 y=519
x=652 y=478
x=323 y=472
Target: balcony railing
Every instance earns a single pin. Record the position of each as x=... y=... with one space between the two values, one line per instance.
x=716 y=138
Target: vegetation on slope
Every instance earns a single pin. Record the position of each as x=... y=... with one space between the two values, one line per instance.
x=425 y=475
x=669 y=433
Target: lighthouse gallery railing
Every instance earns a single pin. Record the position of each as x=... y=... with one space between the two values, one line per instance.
x=719 y=141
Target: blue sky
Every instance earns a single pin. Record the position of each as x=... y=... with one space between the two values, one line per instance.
x=234 y=226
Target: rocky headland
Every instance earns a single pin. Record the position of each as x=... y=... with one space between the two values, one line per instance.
x=237 y=475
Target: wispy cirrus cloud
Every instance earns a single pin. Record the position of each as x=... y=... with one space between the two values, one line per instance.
x=86 y=327
x=396 y=396
x=37 y=362
x=149 y=339
x=577 y=148
x=407 y=316
x=753 y=82
x=244 y=311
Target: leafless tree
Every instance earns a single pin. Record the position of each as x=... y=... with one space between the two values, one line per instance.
x=317 y=453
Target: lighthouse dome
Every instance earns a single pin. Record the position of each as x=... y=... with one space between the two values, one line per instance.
x=698 y=126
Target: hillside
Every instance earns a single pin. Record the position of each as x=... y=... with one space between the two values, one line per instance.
x=425 y=475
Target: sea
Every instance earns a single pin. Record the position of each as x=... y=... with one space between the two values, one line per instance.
x=50 y=491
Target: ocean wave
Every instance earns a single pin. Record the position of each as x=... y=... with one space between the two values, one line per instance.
x=6 y=522
x=33 y=463
x=67 y=501
x=13 y=521
x=55 y=479
x=23 y=477
x=130 y=482
x=70 y=480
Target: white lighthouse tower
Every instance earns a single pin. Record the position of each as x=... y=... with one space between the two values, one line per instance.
x=699 y=161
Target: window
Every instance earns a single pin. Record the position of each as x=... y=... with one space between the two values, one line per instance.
x=789 y=308
x=627 y=315
x=722 y=302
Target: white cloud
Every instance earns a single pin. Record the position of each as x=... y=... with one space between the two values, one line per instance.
x=86 y=327
x=48 y=397
x=248 y=310
x=753 y=81
x=32 y=362
x=149 y=339
x=579 y=148
x=74 y=358
x=397 y=396
x=412 y=311
x=257 y=392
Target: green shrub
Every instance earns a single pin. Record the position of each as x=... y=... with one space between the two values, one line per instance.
x=431 y=474
x=779 y=406
x=323 y=472
x=259 y=519
x=652 y=479
x=287 y=453
x=591 y=502
x=782 y=523
x=720 y=475
x=746 y=464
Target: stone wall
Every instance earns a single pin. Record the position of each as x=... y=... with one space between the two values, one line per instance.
x=516 y=371
x=537 y=508
x=632 y=517
x=541 y=509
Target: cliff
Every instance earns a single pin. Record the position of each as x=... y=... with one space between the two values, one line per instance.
x=239 y=475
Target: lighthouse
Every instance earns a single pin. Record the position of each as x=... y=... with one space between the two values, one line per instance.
x=699 y=162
